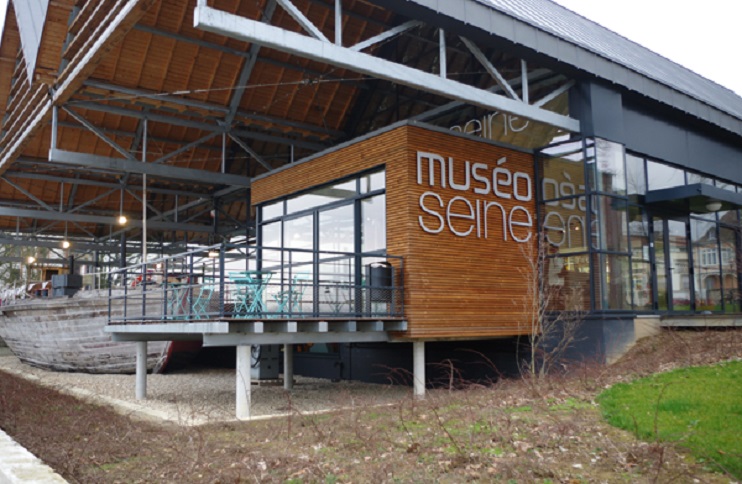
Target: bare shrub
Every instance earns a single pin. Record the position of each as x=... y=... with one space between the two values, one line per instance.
x=552 y=314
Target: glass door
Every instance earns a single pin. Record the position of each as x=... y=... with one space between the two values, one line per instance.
x=672 y=265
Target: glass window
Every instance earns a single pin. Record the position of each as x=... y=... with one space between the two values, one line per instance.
x=610 y=231
x=611 y=170
x=565 y=225
x=615 y=284
x=663 y=176
x=706 y=272
x=568 y=283
x=636 y=181
x=562 y=175
x=373 y=181
x=730 y=270
x=373 y=226
x=639 y=235
x=272 y=210
x=697 y=178
x=641 y=273
x=321 y=196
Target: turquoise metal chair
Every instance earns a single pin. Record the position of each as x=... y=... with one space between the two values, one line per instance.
x=249 y=290
x=201 y=304
x=289 y=300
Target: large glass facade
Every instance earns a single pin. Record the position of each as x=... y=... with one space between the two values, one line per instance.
x=323 y=238
x=613 y=252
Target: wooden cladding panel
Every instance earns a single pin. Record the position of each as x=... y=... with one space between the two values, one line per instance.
x=465 y=286
x=455 y=287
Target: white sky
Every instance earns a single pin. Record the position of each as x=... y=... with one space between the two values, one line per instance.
x=702 y=36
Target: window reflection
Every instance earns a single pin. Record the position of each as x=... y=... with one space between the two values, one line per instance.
x=611 y=172
x=706 y=269
x=663 y=176
x=636 y=182
x=611 y=214
x=373 y=227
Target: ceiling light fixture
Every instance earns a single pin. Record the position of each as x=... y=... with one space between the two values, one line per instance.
x=713 y=206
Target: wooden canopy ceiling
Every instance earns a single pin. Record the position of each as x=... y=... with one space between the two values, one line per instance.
x=113 y=69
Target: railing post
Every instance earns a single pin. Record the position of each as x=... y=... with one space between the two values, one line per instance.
x=144 y=290
x=221 y=280
x=110 y=295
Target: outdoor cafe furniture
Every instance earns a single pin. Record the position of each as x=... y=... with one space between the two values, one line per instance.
x=289 y=300
x=250 y=291
x=202 y=302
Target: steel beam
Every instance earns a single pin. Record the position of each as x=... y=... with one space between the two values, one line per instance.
x=187 y=123
x=399 y=29
x=224 y=23
x=99 y=219
x=97 y=183
x=247 y=69
x=160 y=171
x=491 y=69
x=251 y=152
x=302 y=20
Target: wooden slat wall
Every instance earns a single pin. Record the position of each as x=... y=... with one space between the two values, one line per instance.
x=455 y=287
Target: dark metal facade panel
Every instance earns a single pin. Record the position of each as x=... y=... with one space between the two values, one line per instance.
x=604 y=53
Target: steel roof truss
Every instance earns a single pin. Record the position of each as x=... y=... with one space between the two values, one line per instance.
x=490 y=68
x=303 y=21
x=399 y=29
x=160 y=171
x=251 y=152
x=186 y=148
x=28 y=194
x=99 y=133
x=224 y=23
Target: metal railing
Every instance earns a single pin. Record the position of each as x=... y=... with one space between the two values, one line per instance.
x=250 y=282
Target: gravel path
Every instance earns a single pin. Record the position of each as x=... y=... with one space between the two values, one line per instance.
x=202 y=395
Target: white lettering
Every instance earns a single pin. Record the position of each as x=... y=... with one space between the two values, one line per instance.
x=467 y=176
x=469 y=215
x=431 y=212
x=432 y=158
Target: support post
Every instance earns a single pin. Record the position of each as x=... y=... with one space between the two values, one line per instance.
x=141 y=371
x=288 y=367
x=243 y=382
x=418 y=368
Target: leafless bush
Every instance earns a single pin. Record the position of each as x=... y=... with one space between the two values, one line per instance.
x=552 y=315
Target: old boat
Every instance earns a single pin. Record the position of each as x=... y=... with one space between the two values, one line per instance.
x=66 y=334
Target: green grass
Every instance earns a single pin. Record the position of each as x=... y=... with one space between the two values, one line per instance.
x=699 y=408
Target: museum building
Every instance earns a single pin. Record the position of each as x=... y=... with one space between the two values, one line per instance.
x=400 y=180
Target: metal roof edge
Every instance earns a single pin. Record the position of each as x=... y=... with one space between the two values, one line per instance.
x=519 y=32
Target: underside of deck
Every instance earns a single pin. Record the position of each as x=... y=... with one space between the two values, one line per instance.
x=243 y=331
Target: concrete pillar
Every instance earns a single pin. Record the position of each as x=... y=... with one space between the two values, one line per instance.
x=418 y=368
x=141 y=374
x=288 y=367
x=243 y=382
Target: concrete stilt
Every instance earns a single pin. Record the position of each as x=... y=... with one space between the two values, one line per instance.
x=243 y=382
x=141 y=372
x=288 y=366
x=418 y=367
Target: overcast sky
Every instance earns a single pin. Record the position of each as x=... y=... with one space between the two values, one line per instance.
x=702 y=36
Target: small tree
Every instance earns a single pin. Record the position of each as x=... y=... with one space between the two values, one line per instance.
x=552 y=314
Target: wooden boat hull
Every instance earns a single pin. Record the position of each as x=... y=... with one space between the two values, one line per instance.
x=66 y=334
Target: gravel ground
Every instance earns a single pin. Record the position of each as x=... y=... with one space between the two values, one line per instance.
x=202 y=395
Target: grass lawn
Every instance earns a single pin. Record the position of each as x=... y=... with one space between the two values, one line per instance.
x=699 y=408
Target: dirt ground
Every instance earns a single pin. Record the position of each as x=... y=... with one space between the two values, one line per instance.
x=511 y=431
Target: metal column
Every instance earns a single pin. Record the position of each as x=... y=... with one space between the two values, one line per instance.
x=418 y=368
x=288 y=366
x=243 y=389
x=141 y=370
